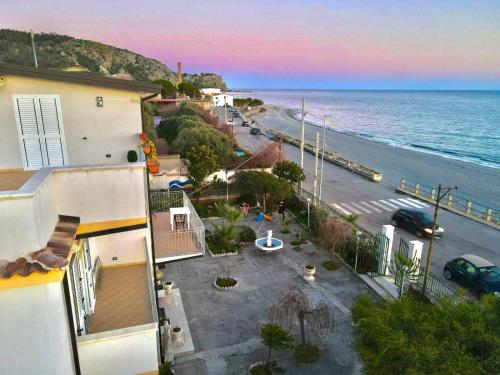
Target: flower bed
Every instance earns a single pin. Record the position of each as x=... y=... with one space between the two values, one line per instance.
x=226 y=283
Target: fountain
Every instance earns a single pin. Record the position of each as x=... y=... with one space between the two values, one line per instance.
x=268 y=244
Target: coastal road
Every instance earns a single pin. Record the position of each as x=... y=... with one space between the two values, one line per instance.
x=375 y=203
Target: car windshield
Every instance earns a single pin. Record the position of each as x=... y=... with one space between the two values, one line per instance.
x=490 y=273
x=423 y=217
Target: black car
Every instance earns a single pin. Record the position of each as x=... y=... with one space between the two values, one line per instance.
x=245 y=123
x=415 y=221
x=255 y=131
x=475 y=273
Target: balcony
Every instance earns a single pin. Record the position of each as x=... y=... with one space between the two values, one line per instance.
x=177 y=229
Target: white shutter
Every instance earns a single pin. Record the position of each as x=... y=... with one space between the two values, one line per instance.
x=29 y=135
x=41 y=131
x=52 y=131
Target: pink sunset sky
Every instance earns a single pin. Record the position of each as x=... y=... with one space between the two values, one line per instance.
x=292 y=44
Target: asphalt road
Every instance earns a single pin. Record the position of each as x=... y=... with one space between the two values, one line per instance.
x=375 y=204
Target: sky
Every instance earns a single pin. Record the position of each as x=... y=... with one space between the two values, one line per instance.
x=330 y=44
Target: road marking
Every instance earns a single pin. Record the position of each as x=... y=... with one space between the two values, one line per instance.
x=381 y=206
x=417 y=201
x=351 y=208
x=341 y=209
x=360 y=207
x=393 y=206
x=413 y=204
x=370 y=207
x=401 y=204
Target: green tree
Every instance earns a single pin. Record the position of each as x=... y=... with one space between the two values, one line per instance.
x=188 y=89
x=201 y=162
x=266 y=187
x=168 y=89
x=276 y=339
x=408 y=336
x=289 y=171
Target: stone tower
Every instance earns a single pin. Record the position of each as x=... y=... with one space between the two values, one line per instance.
x=179 y=73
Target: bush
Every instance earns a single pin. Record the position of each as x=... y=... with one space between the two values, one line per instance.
x=334 y=233
x=245 y=233
x=295 y=204
x=251 y=199
x=366 y=261
x=330 y=265
x=225 y=282
x=306 y=353
x=201 y=210
x=132 y=156
x=407 y=336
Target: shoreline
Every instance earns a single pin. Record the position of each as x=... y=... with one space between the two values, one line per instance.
x=476 y=182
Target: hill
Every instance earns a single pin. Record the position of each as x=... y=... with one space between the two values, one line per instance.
x=67 y=53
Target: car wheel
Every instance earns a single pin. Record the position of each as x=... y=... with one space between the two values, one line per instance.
x=394 y=223
x=448 y=275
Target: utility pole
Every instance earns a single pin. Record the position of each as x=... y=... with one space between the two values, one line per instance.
x=315 y=182
x=33 y=47
x=434 y=222
x=322 y=158
x=225 y=111
x=302 y=137
x=280 y=149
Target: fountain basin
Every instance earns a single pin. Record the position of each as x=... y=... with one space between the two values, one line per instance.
x=261 y=244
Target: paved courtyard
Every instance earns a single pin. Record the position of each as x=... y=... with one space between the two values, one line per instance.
x=225 y=324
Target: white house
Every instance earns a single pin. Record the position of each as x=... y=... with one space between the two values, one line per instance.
x=210 y=91
x=222 y=99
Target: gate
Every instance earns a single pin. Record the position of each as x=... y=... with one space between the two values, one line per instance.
x=380 y=253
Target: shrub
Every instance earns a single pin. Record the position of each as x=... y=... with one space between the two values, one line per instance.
x=201 y=210
x=306 y=353
x=245 y=233
x=289 y=170
x=366 y=261
x=132 y=156
x=295 y=204
x=334 y=233
x=225 y=282
x=249 y=198
x=330 y=265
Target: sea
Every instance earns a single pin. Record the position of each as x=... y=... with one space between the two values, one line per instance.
x=462 y=125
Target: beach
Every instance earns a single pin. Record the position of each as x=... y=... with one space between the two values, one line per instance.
x=476 y=182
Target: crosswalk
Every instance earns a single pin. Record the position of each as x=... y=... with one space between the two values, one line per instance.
x=381 y=205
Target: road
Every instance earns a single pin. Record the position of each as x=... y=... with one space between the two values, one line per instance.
x=349 y=193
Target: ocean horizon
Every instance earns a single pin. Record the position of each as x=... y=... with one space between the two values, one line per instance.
x=457 y=124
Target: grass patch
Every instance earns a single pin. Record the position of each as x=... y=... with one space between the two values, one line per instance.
x=306 y=353
x=285 y=231
x=330 y=265
x=296 y=242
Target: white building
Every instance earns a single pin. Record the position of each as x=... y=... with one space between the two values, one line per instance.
x=220 y=100
x=210 y=91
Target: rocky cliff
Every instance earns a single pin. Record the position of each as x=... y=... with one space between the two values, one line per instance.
x=67 y=53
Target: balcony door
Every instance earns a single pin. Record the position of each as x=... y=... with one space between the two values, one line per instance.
x=40 y=129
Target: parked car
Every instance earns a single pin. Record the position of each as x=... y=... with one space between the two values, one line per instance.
x=230 y=122
x=415 y=221
x=245 y=123
x=236 y=114
x=255 y=131
x=475 y=273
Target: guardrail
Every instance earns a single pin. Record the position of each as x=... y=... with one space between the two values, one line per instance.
x=452 y=202
x=332 y=157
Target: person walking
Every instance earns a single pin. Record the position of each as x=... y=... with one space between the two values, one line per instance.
x=281 y=210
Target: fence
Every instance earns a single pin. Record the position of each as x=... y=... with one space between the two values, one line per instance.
x=436 y=288
x=453 y=202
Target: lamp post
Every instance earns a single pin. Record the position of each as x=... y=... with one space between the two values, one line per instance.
x=322 y=159
x=308 y=205
x=439 y=197
x=33 y=47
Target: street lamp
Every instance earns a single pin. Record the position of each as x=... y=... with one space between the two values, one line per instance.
x=322 y=159
x=434 y=221
x=308 y=205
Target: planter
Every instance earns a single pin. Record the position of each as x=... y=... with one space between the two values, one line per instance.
x=176 y=333
x=226 y=288
x=153 y=167
x=168 y=286
x=309 y=272
x=260 y=363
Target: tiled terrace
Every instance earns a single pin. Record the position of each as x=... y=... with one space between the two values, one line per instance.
x=122 y=300
x=13 y=179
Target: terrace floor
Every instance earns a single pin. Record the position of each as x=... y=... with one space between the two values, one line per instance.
x=122 y=300
x=224 y=325
x=13 y=179
x=172 y=243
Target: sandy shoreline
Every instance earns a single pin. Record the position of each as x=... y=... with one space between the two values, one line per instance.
x=475 y=182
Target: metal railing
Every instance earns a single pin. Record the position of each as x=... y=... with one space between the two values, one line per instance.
x=453 y=202
x=436 y=288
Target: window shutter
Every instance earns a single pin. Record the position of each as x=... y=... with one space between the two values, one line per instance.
x=30 y=137
x=52 y=132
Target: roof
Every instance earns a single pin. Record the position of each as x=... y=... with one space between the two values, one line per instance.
x=84 y=78
x=477 y=261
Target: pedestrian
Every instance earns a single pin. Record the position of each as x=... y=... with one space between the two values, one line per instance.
x=281 y=210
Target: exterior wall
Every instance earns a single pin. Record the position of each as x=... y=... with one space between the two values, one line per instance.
x=127 y=247
x=126 y=351
x=219 y=100
x=95 y=194
x=111 y=129
x=34 y=331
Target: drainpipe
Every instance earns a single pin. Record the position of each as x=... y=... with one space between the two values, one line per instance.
x=151 y=232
